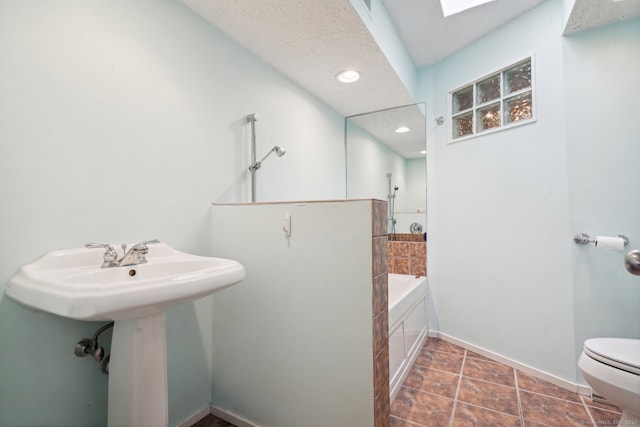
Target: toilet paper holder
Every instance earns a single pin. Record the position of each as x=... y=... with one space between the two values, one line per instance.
x=583 y=238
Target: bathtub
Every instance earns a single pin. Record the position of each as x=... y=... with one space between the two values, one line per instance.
x=407 y=325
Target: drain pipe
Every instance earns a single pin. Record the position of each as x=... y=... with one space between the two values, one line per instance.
x=90 y=346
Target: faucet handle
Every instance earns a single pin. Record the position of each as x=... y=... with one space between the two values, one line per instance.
x=92 y=245
x=143 y=245
x=136 y=254
x=110 y=256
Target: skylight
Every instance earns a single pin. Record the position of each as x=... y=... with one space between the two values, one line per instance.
x=451 y=7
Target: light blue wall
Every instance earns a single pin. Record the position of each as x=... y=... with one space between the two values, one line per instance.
x=602 y=93
x=503 y=208
x=123 y=121
x=368 y=162
x=412 y=197
x=382 y=30
x=499 y=235
x=416 y=185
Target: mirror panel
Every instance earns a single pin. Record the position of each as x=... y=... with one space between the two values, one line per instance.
x=380 y=159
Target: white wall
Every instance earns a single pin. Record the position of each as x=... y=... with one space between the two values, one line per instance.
x=123 y=121
x=499 y=235
x=293 y=342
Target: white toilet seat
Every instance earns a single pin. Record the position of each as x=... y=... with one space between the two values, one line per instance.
x=611 y=367
x=620 y=353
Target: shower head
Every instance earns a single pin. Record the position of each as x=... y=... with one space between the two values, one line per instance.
x=253 y=117
x=280 y=151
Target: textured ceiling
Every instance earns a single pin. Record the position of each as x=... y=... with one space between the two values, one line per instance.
x=595 y=13
x=311 y=41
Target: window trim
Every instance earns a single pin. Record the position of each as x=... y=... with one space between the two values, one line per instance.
x=501 y=100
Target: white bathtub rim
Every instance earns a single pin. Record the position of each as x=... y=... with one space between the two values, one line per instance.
x=400 y=306
x=415 y=281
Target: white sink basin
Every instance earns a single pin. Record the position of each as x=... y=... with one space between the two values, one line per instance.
x=70 y=283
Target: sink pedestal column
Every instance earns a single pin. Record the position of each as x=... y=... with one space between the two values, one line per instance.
x=138 y=373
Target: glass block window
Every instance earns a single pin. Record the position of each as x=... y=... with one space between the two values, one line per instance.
x=498 y=101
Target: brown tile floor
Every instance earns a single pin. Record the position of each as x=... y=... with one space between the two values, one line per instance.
x=212 y=421
x=449 y=386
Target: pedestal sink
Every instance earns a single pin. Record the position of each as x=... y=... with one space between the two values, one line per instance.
x=71 y=283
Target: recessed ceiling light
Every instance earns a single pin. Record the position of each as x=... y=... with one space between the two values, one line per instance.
x=348 y=76
x=402 y=129
x=423 y=152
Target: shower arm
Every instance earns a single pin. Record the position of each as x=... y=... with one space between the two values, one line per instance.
x=279 y=150
x=256 y=165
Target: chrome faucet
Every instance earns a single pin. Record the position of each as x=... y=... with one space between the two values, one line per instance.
x=134 y=256
x=110 y=257
x=137 y=254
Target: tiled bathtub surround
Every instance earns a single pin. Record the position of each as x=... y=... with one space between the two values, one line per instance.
x=406 y=256
x=407 y=237
x=449 y=386
x=380 y=315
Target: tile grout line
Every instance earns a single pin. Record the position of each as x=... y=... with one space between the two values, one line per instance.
x=407 y=421
x=586 y=408
x=485 y=381
x=520 y=410
x=615 y=411
x=495 y=411
x=593 y=420
x=455 y=398
x=442 y=351
x=419 y=390
x=581 y=397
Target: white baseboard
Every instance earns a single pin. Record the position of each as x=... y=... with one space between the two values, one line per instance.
x=195 y=417
x=220 y=413
x=560 y=382
x=232 y=418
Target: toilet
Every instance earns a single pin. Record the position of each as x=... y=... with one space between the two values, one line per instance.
x=611 y=366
